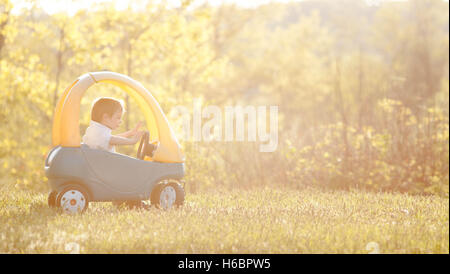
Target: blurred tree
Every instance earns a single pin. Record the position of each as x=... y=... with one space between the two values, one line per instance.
x=413 y=37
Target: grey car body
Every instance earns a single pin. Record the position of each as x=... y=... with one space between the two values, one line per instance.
x=105 y=175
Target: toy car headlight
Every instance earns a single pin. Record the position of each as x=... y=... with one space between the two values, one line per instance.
x=52 y=155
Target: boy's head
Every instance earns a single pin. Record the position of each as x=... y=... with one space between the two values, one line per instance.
x=107 y=111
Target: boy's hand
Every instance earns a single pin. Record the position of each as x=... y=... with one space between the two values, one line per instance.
x=135 y=130
x=132 y=132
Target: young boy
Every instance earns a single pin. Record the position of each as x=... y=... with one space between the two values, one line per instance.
x=106 y=116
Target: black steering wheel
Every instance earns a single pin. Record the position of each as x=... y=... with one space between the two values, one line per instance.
x=145 y=148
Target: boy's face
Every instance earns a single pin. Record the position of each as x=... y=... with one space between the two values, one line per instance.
x=114 y=121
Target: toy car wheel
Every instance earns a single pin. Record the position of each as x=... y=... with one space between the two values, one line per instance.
x=52 y=199
x=73 y=199
x=167 y=195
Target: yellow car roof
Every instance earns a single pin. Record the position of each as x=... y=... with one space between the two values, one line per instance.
x=66 y=122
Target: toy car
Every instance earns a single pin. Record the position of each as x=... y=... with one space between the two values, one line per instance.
x=78 y=175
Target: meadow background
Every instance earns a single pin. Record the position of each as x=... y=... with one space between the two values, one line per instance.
x=362 y=89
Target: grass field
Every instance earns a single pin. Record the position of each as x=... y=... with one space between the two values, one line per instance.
x=250 y=221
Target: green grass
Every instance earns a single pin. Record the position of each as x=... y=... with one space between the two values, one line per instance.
x=250 y=221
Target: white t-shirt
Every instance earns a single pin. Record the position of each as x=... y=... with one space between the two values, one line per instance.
x=97 y=136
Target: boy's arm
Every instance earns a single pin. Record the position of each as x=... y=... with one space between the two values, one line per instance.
x=125 y=134
x=132 y=132
x=119 y=140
